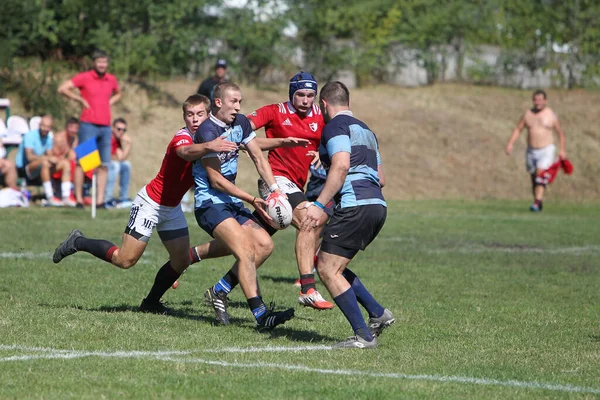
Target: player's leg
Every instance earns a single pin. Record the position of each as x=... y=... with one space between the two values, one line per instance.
x=173 y=231
x=135 y=239
x=263 y=247
x=351 y=230
x=306 y=248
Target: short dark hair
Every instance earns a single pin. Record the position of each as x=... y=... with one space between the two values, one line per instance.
x=540 y=92
x=195 y=100
x=335 y=93
x=72 y=120
x=221 y=88
x=99 y=54
x=121 y=120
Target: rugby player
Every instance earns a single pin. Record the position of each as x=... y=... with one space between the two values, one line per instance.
x=350 y=152
x=218 y=203
x=540 y=122
x=157 y=205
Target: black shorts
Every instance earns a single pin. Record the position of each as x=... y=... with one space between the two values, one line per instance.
x=294 y=198
x=352 y=229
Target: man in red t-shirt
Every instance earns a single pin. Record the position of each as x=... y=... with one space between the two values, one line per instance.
x=288 y=126
x=98 y=91
x=158 y=205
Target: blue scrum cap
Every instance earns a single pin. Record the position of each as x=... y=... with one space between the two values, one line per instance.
x=302 y=80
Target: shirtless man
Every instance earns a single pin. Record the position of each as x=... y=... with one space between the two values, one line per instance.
x=540 y=122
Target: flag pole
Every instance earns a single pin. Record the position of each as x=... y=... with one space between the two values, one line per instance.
x=94 y=195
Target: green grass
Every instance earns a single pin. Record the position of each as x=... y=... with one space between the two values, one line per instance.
x=481 y=290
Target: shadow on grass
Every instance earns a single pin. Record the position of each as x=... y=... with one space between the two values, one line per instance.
x=279 y=279
x=296 y=335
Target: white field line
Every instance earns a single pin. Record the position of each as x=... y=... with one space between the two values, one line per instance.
x=268 y=349
x=167 y=356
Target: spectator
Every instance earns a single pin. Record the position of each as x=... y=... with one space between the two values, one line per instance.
x=208 y=85
x=65 y=141
x=8 y=171
x=35 y=160
x=98 y=91
x=119 y=166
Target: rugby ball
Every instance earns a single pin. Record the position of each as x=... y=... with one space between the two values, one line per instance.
x=280 y=211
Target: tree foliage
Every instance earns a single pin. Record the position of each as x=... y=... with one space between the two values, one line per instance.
x=168 y=37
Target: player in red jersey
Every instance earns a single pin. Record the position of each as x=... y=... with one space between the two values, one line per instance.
x=287 y=126
x=158 y=205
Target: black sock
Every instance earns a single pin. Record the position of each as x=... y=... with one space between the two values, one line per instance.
x=258 y=308
x=102 y=249
x=165 y=277
x=227 y=283
x=307 y=282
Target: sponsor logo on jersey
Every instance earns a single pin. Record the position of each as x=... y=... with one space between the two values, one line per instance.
x=254 y=114
x=313 y=126
x=287 y=122
x=182 y=141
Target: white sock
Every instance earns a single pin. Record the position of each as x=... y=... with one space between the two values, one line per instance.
x=65 y=188
x=48 y=189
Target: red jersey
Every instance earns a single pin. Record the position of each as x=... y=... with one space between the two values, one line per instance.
x=97 y=91
x=175 y=176
x=280 y=121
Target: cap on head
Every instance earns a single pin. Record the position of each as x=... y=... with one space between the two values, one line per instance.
x=221 y=63
x=302 y=80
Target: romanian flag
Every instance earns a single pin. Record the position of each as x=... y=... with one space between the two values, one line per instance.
x=88 y=155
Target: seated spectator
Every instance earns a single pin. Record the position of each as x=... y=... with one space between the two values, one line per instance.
x=63 y=148
x=8 y=171
x=119 y=166
x=36 y=162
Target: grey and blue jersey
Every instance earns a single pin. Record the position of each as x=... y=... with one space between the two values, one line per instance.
x=240 y=132
x=344 y=133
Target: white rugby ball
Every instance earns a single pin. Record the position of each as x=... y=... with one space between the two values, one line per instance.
x=280 y=211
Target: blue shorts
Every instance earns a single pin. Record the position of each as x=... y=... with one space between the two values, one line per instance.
x=209 y=217
x=103 y=135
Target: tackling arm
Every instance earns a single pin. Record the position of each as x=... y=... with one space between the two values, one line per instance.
x=196 y=151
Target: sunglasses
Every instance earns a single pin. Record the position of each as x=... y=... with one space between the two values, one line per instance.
x=121 y=129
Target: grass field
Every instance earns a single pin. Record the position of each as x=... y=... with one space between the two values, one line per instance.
x=492 y=302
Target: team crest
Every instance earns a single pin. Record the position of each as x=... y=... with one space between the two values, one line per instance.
x=313 y=126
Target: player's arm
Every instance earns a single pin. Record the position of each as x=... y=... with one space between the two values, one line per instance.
x=266 y=144
x=212 y=165
x=262 y=166
x=381 y=175
x=196 y=151
x=67 y=89
x=515 y=135
x=561 y=139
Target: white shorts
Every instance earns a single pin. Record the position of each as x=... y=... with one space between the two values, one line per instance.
x=146 y=214
x=286 y=186
x=539 y=158
x=294 y=193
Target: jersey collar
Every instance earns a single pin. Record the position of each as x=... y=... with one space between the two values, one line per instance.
x=344 y=112
x=292 y=110
x=217 y=121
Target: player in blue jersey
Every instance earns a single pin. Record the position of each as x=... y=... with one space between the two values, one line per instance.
x=219 y=209
x=350 y=152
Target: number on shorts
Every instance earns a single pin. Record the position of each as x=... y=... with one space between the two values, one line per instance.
x=132 y=215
